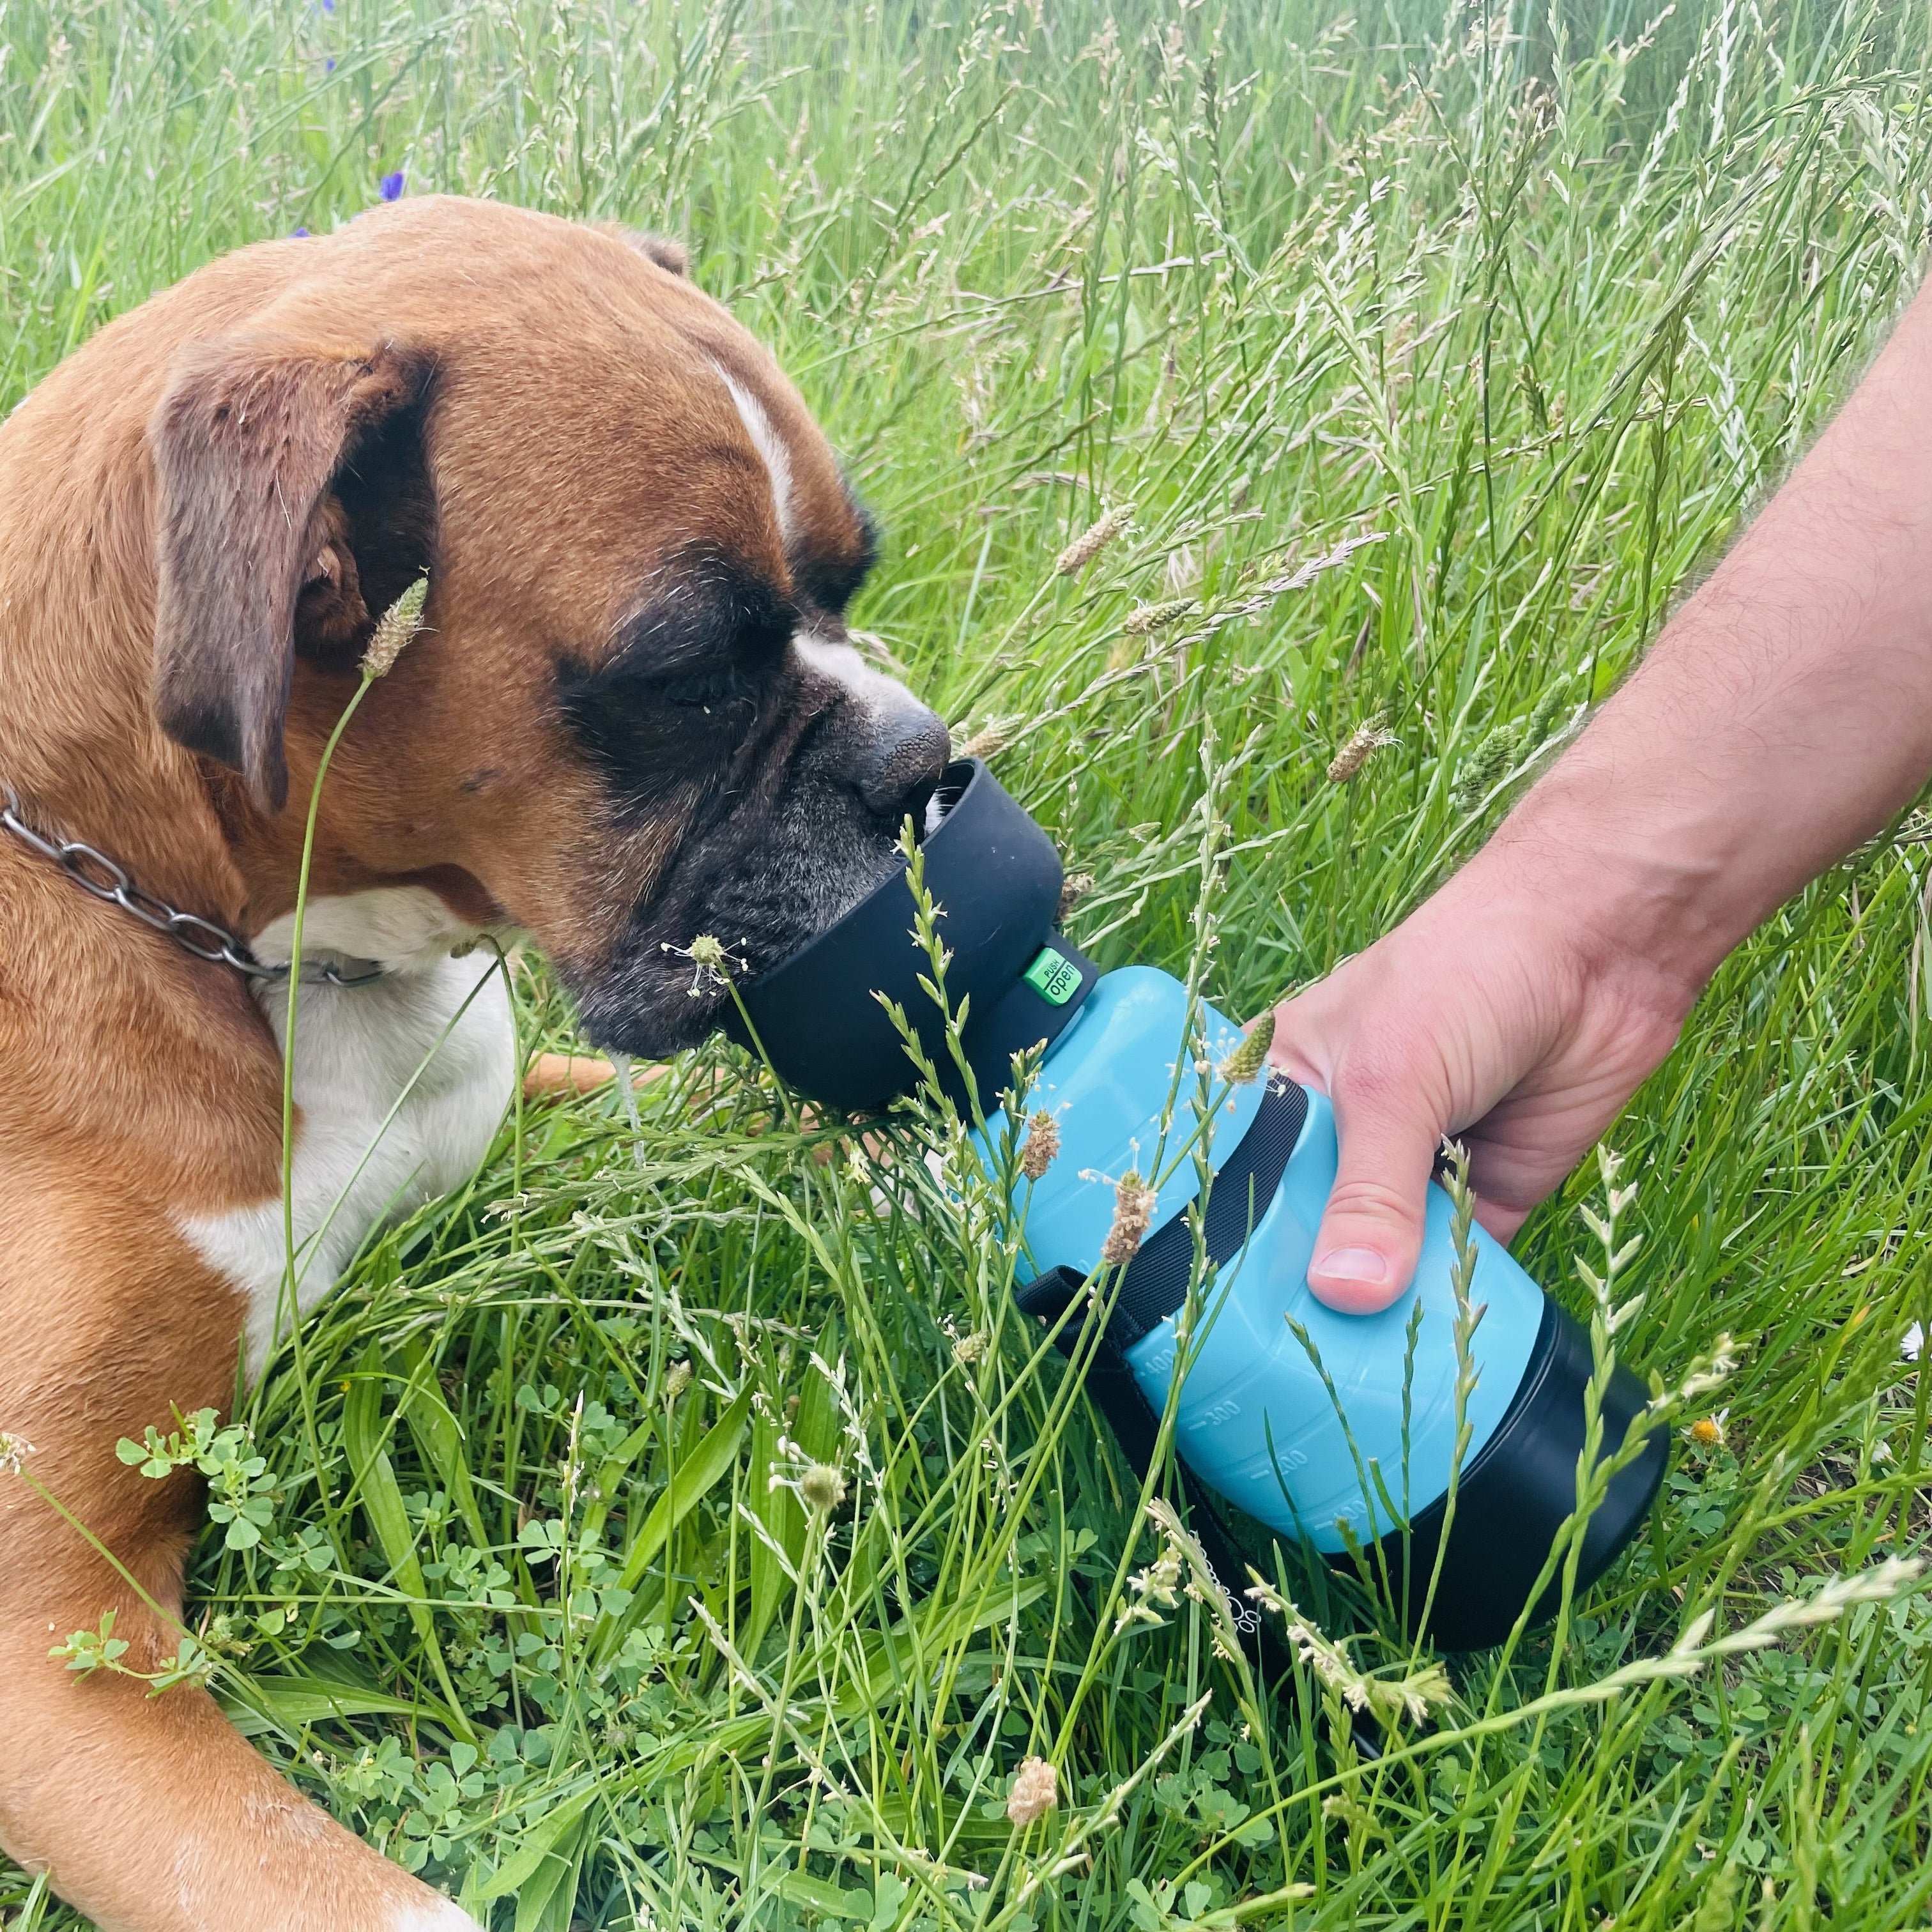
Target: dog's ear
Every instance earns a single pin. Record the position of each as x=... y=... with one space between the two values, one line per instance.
x=248 y=441
x=672 y=256
x=667 y=253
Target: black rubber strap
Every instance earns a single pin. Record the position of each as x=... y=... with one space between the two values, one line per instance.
x=1155 y=1285
x=1243 y=1189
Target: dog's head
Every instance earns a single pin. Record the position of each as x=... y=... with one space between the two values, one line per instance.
x=631 y=716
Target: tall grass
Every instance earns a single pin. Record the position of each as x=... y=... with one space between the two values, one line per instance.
x=1431 y=350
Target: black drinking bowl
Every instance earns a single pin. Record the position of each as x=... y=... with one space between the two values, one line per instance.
x=996 y=879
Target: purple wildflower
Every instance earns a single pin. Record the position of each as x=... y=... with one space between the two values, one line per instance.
x=392 y=186
x=329 y=65
x=329 y=6
x=300 y=232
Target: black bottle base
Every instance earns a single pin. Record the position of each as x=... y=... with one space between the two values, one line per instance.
x=1516 y=1494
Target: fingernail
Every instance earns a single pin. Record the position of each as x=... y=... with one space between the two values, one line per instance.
x=1350 y=1264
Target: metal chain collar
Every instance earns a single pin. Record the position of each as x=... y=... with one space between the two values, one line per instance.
x=95 y=872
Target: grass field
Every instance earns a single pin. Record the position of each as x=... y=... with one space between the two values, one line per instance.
x=1432 y=352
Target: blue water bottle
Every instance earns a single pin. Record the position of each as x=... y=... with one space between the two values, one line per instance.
x=1331 y=1429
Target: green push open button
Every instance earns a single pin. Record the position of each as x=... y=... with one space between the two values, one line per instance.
x=1054 y=976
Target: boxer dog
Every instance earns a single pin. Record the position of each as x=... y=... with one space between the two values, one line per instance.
x=630 y=717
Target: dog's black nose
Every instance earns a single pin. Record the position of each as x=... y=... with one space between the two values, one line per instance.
x=901 y=768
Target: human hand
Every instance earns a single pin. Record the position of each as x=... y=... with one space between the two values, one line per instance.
x=1783 y=715
x=1495 y=1013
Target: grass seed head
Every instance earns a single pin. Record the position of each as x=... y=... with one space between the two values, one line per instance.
x=1133 y=1213
x=1366 y=738
x=1548 y=711
x=1247 y=1060
x=1158 y=1587
x=1042 y=1143
x=1036 y=1792
x=14 y=1450
x=1090 y=542
x=1075 y=888
x=394 y=629
x=1147 y=617
x=992 y=739
x=1478 y=772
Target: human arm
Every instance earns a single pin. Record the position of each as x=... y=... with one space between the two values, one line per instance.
x=1784 y=715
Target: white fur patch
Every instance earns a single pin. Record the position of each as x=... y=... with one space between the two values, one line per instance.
x=400 y=925
x=770 y=446
x=440 y=1915
x=891 y=708
x=884 y=697
x=400 y=1086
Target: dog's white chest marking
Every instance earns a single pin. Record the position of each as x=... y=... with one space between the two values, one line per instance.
x=400 y=1085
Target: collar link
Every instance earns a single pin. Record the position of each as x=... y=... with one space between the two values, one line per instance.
x=105 y=878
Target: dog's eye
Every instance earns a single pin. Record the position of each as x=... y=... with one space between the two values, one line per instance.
x=700 y=691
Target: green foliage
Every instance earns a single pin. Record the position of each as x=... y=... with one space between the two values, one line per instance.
x=1432 y=351
x=241 y=1491
x=86 y=1651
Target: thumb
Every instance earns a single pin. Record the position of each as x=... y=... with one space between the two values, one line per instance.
x=1371 y=1233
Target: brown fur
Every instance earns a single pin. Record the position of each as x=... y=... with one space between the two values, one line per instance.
x=179 y=554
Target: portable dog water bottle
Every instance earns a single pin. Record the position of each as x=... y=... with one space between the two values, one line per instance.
x=1256 y=1420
